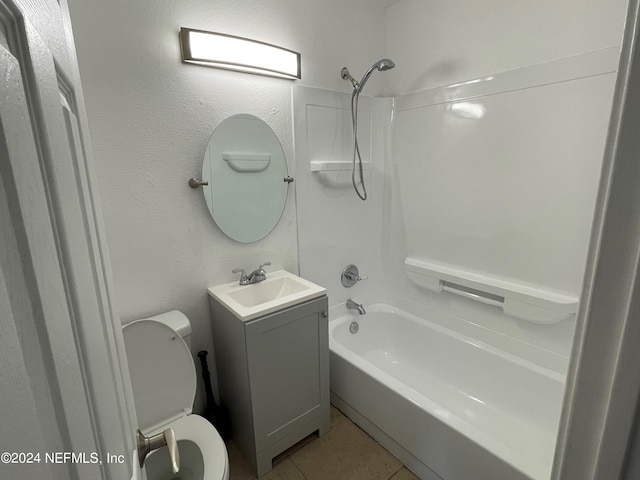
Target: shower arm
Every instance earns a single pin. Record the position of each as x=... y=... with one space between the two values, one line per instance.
x=344 y=73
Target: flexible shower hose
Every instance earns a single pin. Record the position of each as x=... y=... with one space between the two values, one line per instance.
x=356 y=149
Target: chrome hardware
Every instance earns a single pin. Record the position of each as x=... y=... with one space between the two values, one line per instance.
x=325 y=315
x=147 y=444
x=350 y=276
x=288 y=179
x=196 y=182
x=243 y=277
x=354 y=327
x=351 y=305
x=256 y=276
x=473 y=294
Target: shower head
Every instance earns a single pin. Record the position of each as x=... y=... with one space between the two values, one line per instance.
x=380 y=65
x=384 y=64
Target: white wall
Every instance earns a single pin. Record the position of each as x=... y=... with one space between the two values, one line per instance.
x=503 y=179
x=335 y=227
x=493 y=176
x=151 y=117
x=499 y=178
x=509 y=193
x=438 y=43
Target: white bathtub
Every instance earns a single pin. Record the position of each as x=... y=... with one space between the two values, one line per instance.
x=448 y=406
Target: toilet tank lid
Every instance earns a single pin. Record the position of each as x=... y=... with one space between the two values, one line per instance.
x=176 y=320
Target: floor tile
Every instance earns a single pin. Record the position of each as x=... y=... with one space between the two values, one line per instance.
x=404 y=474
x=239 y=467
x=336 y=416
x=284 y=470
x=345 y=453
x=295 y=447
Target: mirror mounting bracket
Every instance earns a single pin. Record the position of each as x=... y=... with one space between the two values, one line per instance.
x=196 y=183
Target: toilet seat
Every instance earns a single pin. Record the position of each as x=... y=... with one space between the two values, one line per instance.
x=162 y=372
x=163 y=377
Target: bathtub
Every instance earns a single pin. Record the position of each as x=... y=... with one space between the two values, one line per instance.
x=447 y=406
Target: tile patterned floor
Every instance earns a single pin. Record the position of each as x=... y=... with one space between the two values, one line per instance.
x=344 y=453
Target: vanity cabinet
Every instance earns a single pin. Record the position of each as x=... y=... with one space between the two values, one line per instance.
x=273 y=377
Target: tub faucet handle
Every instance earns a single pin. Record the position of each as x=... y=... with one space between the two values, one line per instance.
x=350 y=276
x=147 y=444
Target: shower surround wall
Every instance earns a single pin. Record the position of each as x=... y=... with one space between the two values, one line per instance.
x=151 y=117
x=441 y=43
x=335 y=227
x=499 y=177
x=495 y=176
x=495 y=173
x=469 y=181
x=499 y=126
x=502 y=184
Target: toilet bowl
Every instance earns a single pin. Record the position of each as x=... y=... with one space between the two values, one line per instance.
x=164 y=386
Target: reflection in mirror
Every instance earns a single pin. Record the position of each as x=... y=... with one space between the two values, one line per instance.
x=245 y=166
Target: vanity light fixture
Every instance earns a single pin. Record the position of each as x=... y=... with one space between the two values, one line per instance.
x=229 y=52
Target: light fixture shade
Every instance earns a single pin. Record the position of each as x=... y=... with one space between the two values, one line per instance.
x=229 y=52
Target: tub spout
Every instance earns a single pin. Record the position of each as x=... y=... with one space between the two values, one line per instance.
x=351 y=305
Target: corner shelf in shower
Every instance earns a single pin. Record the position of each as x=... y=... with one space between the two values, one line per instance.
x=516 y=299
x=335 y=165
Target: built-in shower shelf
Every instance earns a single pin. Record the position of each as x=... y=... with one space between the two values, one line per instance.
x=516 y=299
x=335 y=166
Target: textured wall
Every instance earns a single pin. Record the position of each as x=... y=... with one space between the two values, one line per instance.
x=151 y=117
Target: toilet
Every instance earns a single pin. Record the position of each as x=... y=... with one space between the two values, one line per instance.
x=163 y=376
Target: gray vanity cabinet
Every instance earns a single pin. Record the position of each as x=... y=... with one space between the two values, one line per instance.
x=273 y=377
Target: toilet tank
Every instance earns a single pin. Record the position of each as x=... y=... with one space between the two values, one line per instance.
x=178 y=321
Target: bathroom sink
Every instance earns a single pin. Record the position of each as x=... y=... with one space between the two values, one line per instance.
x=280 y=290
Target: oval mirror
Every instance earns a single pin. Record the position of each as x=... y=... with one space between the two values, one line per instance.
x=246 y=169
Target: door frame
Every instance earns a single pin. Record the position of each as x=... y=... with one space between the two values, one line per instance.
x=55 y=206
x=595 y=439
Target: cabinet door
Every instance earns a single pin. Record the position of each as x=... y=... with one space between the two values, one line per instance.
x=288 y=360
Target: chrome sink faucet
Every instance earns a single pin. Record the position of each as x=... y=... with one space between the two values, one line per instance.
x=351 y=305
x=256 y=276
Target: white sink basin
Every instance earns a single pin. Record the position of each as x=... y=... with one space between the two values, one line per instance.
x=280 y=290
